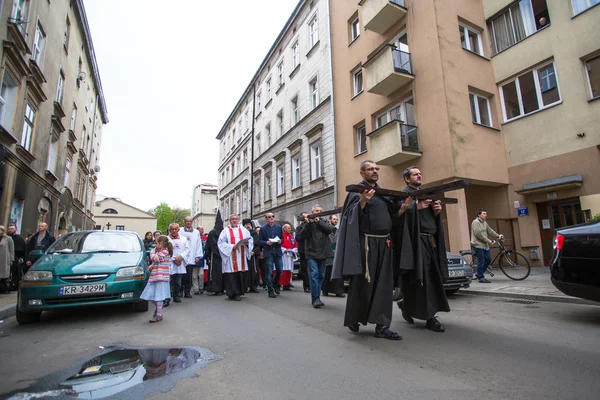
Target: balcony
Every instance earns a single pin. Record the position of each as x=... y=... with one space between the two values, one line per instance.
x=394 y=143
x=380 y=15
x=387 y=71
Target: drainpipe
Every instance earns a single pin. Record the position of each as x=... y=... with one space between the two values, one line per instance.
x=335 y=184
x=87 y=178
x=250 y=203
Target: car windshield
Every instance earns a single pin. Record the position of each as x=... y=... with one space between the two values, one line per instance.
x=96 y=242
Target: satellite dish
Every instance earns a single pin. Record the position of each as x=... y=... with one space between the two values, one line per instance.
x=97 y=168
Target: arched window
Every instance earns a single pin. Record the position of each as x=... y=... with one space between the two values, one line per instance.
x=110 y=211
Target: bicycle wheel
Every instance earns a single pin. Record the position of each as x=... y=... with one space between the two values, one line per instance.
x=514 y=265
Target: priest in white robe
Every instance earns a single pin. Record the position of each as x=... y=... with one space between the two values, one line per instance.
x=235 y=244
x=181 y=251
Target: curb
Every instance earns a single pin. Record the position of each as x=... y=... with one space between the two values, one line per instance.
x=537 y=297
x=8 y=311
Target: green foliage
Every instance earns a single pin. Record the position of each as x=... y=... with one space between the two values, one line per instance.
x=595 y=218
x=179 y=215
x=165 y=216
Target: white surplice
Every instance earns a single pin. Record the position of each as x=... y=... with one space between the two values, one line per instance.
x=235 y=259
x=181 y=248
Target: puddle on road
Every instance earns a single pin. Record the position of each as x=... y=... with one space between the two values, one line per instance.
x=140 y=371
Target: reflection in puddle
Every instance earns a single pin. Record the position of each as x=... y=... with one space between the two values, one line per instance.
x=111 y=373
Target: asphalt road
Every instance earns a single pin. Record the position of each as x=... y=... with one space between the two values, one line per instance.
x=284 y=349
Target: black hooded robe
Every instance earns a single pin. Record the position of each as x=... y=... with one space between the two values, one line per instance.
x=368 y=301
x=423 y=268
x=250 y=277
x=215 y=277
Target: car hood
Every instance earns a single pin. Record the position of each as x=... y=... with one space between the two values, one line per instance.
x=66 y=264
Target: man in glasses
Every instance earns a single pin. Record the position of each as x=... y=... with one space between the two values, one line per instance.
x=270 y=237
x=364 y=253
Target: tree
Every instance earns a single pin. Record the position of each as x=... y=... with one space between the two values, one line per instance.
x=165 y=216
x=179 y=215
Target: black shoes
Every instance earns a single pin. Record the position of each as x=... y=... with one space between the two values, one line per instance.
x=386 y=333
x=277 y=291
x=166 y=302
x=340 y=295
x=177 y=300
x=406 y=317
x=287 y=288
x=235 y=298
x=188 y=296
x=253 y=290
x=272 y=295
x=434 y=325
x=318 y=304
x=354 y=328
x=483 y=280
x=306 y=290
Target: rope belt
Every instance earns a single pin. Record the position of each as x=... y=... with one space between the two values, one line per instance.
x=367 y=236
x=431 y=239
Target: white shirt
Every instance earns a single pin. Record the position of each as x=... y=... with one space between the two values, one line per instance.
x=181 y=248
x=195 y=242
x=233 y=261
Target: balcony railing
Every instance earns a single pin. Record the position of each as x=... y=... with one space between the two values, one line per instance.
x=381 y=15
x=394 y=143
x=388 y=70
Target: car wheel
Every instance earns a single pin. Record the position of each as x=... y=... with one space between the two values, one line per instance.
x=141 y=306
x=24 y=318
x=450 y=292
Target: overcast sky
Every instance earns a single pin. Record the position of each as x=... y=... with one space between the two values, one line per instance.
x=171 y=75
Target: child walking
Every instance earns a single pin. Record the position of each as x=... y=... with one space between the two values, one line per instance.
x=158 y=288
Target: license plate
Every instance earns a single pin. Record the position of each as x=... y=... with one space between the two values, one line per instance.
x=82 y=289
x=457 y=273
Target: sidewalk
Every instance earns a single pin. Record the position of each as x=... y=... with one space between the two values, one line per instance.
x=8 y=305
x=537 y=286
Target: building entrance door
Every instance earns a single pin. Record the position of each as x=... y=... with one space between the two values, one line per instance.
x=554 y=215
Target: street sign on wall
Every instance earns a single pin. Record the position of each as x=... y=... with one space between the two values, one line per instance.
x=523 y=211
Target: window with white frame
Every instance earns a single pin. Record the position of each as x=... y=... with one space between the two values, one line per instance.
x=232 y=170
x=280 y=73
x=227 y=175
x=67 y=172
x=517 y=22
x=269 y=94
x=354 y=29
x=20 y=13
x=592 y=66
x=295 y=112
x=234 y=135
x=39 y=44
x=280 y=123
x=534 y=90
x=295 y=171
x=313 y=32
x=238 y=164
x=480 y=109
x=295 y=54
x=280 y=180
x=258 y=102
x=245 y=200
x=258 y=145
x=268 y=134
x=357 y=78
x=316 y=170
x=223 y=178
x=238 y=137
x=246 y=121
x=83 y=143
x=120 y=228
x=405 y=111
x=73 y=118
x=28 y=123
x=470 y=39
x=314 y=93
x=52 y=154
x=60 y=86
x=87 y=99
x=8 y=101
x=580 y=6
x=361 y=139
x=245 y=158
x=267 y=185
x=257 y=192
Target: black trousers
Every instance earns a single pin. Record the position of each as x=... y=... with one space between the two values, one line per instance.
x=187 y=282
x=335 y=286
x=176 y=284
x=304 y=272
x=234 y=285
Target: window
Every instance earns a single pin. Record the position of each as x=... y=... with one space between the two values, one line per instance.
x=269 y=94
x=232 y=170
x=358 y=81
x=244 y=199
x=83 y=144
x=295 y=111
x=480 y=109
x=8 y=101
x=19 y=14
x=78 y=184
x=258 y=150
x=52 y=154
x=67 y=172
x=238 y=137
x=109 y=210
x=354 y=29
x=227 y=175
x=295 y=54
x=402 y=112
x=268 y=186
x=313 y=32
x=87 y=99
x=519 y=21
x=222 y=178
x=67 y=34
x=592 y=67
x=315 y=161
x=280 y=123
x=28 y=122
x=258 y=102
x=280 y=181
x=314 y=93
x=244 y=158
x=295 y=171
x=580 y=6
x=60 y=87
x=239 y=165
x=470 y=39
x=361 y=139
x=532 y=91
x=79 y=71
x=257 y=193
x=280 y=73
x=39 y=44
x=268 y=133
x=73 y=118
x=120 y=228
x=246 y=121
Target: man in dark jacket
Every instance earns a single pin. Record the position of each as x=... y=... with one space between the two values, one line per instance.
x=335 y=286
x=317 y=247
x=40 y=241
x=270 y=238
x=20 y=246
x=303 y=264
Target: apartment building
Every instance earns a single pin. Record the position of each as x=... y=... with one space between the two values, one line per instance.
x=546 y=59
x=52 y=112
x=205 y=205
x=277 y=147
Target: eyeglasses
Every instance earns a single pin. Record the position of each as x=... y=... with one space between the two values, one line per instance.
x=372 y=169
x=270 y=216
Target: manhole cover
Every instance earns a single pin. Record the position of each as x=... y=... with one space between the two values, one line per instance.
x=519 y=301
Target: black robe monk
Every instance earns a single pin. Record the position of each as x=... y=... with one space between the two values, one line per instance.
x=422 y=261
x=251 y=277
x=371 y=289
x=213 y=257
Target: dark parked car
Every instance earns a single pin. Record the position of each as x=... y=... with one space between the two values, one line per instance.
x=575 y=265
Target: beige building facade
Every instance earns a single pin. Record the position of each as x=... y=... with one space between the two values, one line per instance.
x=205 y=205
x=52 y=112
x=113 y=214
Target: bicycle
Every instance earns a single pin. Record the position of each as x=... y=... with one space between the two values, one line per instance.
x=512 y=263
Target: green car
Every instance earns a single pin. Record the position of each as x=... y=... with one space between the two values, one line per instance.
x=82 y=269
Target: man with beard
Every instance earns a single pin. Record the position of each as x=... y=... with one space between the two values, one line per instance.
x=20 y=246
x=364 y=253
x=234 y=244
x=422 y=257
x=251 y=278
x=213 y=258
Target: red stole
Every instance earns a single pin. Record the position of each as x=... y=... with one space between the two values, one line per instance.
x=234 y=251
